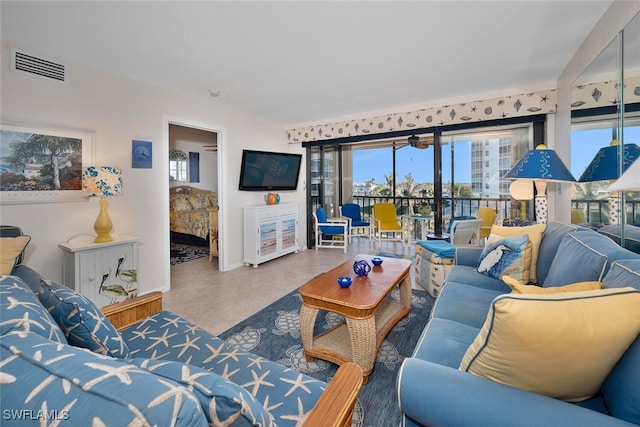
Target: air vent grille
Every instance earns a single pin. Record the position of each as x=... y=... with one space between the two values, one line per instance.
x=41 y=67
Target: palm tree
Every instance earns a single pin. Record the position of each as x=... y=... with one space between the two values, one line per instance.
x=37 y=146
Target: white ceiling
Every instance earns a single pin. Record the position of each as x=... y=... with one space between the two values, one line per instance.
x=308 y=62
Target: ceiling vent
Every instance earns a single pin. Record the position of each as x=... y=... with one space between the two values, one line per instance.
x=24 y=62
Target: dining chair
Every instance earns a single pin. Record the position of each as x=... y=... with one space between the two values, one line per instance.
x=386 y=223
x=330 y=233
x=357 y=226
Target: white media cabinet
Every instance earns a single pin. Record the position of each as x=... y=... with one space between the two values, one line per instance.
x=270 y=232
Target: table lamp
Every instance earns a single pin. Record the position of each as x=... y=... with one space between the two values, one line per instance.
x=629 y=180
x=103 y=181
x=604 y=167
x=540 y=165
x=521 y=190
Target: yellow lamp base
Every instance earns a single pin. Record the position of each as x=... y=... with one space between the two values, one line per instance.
x=103 y=225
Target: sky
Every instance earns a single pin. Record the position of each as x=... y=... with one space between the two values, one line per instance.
x=419 y=162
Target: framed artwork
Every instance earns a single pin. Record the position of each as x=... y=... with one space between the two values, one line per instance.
x=141 y=154
x=39 y=164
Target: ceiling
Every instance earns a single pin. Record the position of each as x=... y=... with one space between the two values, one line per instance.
x=310 y=62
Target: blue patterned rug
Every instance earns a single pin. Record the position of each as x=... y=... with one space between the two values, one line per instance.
x=183 y=253
x=274 y=333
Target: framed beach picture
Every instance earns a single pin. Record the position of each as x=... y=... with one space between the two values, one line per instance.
x=39 y=164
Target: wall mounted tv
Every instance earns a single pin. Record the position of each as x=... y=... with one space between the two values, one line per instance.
x=267 y=171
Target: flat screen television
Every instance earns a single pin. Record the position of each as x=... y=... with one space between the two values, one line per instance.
x=267 y=171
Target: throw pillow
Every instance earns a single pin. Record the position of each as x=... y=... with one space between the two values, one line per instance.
x=534 y=232
x=10 y=250
x=20 y=310
x=222 y=401
x=519 y=288
x=510 y=257
x=559 y=345
x=82 y=322
x=577 y=260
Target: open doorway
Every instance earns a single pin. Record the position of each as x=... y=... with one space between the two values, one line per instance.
x=193 y=193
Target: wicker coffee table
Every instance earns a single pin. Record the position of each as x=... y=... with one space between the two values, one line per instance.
x=369 y=313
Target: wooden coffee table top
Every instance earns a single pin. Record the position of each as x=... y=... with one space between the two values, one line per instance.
x=365 y=293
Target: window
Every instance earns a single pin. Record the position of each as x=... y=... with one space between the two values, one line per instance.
x=178 y=161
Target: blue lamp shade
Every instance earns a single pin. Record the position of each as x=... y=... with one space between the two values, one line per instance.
x=540 y=164
x=604 y=165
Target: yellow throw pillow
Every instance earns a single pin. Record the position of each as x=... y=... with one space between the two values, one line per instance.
x=10 y=249
x=559 y=345
x=519 y=288
x=535 y=236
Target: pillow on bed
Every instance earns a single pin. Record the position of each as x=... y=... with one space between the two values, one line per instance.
x=198 y=201
x=180 y=203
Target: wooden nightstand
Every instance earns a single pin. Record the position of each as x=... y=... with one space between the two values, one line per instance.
x=103 y=272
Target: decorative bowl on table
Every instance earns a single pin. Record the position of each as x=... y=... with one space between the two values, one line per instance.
x=361 y=268
x=376 y=261
x=344 y=281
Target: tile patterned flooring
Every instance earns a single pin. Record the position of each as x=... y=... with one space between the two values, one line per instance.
x=217 y=300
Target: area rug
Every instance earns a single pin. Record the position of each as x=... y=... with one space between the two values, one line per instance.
x=274 y=333
x=184 y=253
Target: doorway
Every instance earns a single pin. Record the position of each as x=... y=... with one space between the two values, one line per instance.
x=193 y=166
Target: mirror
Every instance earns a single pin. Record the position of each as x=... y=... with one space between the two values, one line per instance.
x=602 y=113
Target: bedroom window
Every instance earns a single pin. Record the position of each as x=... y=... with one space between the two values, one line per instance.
x=178 y=162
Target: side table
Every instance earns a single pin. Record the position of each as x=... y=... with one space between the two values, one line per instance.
x=105 y=273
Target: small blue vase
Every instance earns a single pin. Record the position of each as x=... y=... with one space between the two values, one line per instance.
x=361 y=268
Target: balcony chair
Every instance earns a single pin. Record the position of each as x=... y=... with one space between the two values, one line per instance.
x=357 y=227
x=488 y=217
x=578 y=216
x=330 y=233
x=386 y=222
x=465 y=232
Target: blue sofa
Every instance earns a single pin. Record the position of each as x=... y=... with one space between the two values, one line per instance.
x=135 y=364
x=433 y=390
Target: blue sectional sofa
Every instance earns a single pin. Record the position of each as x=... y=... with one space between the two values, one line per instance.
x=437 y=386
x=62 y=360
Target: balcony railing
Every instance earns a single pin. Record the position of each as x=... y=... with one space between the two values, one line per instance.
x=594 y=210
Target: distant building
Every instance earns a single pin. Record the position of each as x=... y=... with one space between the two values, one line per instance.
x=490 y=160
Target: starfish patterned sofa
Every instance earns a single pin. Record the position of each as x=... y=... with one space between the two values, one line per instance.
x=132 y=363
x=562 y=352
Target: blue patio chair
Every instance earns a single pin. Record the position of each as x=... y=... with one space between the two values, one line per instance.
x=357 y=226
x=330 y=233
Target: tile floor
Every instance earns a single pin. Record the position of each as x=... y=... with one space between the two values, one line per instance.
x=217 y=300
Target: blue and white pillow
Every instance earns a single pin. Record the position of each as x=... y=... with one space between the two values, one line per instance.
x=21 y=310
x=223 y=402
x=510 y=257
x=83 y=323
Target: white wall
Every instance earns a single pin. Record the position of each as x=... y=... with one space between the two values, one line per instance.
x=119 y=110
x=193 y=140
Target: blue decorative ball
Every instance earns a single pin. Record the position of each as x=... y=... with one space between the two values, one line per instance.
x=361 y=268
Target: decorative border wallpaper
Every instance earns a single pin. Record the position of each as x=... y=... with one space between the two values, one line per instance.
x=541 y=102
x=592 y=95
x=604 y=94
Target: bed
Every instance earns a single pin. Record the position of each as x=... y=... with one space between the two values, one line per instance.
x=191 y=211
